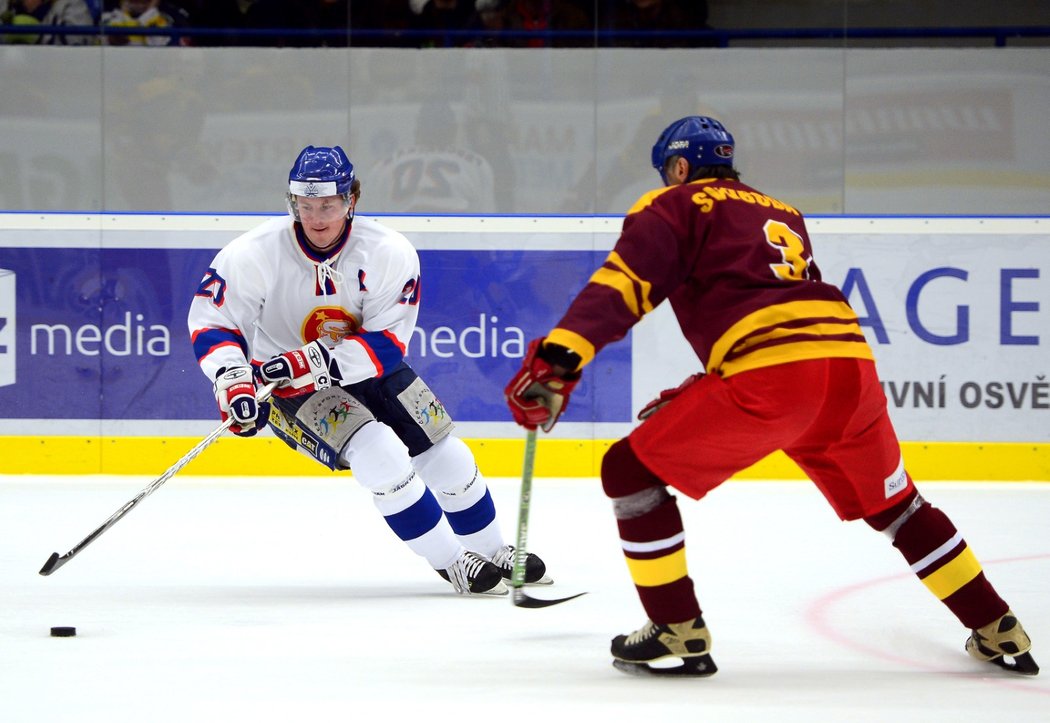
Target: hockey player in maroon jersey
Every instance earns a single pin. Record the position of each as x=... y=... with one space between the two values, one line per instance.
x=787 y=368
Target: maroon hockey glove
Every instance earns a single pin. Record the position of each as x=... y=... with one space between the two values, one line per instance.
x=299 y=371
x=235 y=393
x=537 y=395
x=665 y=396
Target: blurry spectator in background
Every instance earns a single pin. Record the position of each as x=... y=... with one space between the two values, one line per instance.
x=144 y=14
x=444 y=17
x=488 y=23
x=488 y=84
x=47 y=12
x=545 y=19
x=542 y=23
x=436 y=174
x=154 y=125
x=608 y=186
x=646 y=23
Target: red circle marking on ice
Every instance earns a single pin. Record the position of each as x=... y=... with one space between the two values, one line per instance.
x=817 y=617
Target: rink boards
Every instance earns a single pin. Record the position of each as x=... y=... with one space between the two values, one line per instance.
x=97 y=373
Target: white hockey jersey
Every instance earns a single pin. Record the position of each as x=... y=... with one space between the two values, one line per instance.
x=267 y=292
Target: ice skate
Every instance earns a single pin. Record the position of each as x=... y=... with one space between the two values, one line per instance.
x=535 y=569
x=689 y=641
x=472 y=574
x=1000 y=639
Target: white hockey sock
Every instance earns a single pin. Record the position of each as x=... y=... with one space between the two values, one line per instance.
x=449 y=469
x=380 y=463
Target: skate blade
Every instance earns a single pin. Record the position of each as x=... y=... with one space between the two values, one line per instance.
x=700 y=666
x=496 y=590
x=1023 y=664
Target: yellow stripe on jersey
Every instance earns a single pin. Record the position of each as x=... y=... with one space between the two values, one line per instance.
x=634 y=290
x=661 y=571
x=776 y=315
x=620 y=282
x=948 y=579
x=783 y=332
x=796 y=351
x=645 y=286
x=573 y=341
x=646 y=199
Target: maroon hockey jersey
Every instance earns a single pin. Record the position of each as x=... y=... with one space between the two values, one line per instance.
x=737 y=268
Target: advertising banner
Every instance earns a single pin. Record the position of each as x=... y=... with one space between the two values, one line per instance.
x=956 y=311
x=102 y=333
x=7 y=327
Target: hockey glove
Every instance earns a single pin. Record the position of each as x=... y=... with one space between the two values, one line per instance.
x=537 y=395
x=300 y=371
x=235 y=393
x=665 y=396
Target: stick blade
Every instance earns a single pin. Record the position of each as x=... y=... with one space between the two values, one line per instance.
x=53 y=563
x=521 y=600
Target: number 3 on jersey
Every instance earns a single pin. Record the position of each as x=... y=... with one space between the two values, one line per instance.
x=795 y=266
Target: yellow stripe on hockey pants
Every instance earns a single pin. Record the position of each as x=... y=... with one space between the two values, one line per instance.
x=660 y=571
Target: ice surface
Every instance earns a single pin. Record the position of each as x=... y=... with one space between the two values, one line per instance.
x=289 y=600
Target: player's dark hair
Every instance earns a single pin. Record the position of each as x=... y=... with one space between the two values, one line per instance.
x=727 y=172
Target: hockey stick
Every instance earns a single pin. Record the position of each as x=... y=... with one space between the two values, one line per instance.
x=517 y=578
x=56 y=561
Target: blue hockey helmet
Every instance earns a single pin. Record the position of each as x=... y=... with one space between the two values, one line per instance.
x=321 y=171
x=700 y=140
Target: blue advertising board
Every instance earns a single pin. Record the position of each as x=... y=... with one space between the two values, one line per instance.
x=93 y=335
x=100 y=333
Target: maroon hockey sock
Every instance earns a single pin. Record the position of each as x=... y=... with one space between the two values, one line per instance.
x=651 y=535
x=941 y=559
x=654 y=546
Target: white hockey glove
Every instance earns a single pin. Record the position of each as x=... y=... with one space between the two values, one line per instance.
x=235 y=393
x=299 y=371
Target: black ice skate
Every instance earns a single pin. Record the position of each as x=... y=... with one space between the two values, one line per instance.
x=1001 y=639
x=690 y=641
x=535 y=569
x=472 y=574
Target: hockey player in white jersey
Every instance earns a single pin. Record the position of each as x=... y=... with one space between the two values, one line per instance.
x=435 y=175
x=323 y=304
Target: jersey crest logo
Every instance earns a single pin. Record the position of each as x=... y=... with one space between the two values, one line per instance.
x=330 y=324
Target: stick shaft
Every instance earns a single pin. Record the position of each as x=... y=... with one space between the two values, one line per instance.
x=56 y=561
x=517 y=579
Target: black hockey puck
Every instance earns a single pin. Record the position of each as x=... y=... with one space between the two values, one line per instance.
x=61 y=632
